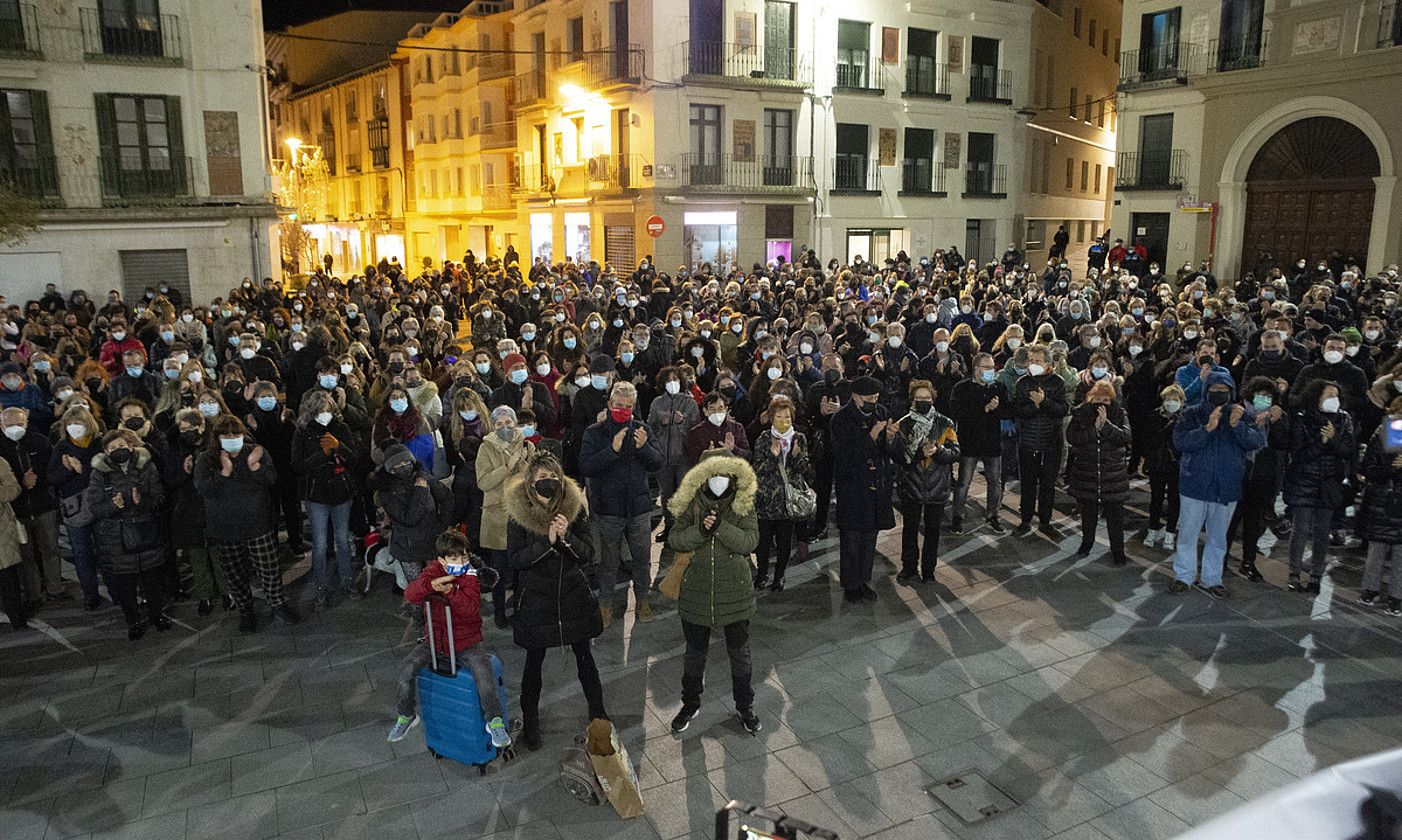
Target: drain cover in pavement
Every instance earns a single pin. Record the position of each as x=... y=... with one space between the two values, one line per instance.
x=971 y=797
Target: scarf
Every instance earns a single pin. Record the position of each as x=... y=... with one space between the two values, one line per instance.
x=785 y=442
x=921 y=424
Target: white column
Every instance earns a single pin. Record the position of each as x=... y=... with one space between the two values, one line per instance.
x=1383 y=189
x=1231 y=226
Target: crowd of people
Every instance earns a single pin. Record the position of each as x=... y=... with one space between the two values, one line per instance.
x=525 y=434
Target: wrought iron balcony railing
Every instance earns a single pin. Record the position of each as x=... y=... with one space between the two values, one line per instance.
x=113 y=34
x=921 y=176
x=1159 y=170
x=726 y=173
x=750 y=62
x=926 y=77
x=855 y=174
x=985 y=179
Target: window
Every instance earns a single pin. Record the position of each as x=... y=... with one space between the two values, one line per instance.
x=130 y=27
x=984 y=81
x=853 y=146
x=1046 y=169
x=352 y=107
x=1081 y=230
x=457 y=123
x=778 y=159
x=457 y=181
x=1241 y=34
x=1076 y=22
x=142 y=145
x=1097 y=179
x=1091 y=30
x=381 y=104
x=574 y=38
x=1100 y=118
x=377 y=134
x=1085 y=175
x=1070 y=173
x=853 y=54
x=778 y=39
x=353 y=201
x=428 y=70
x=1087 y=109
x=1158 y=44
x=983 y=175
x=1105 y=41
x=26 y=145
x=917 y=168
x=1071 y=104
x=923 y=75
x=705 y=144
x=353 y=148
x=1155 y=149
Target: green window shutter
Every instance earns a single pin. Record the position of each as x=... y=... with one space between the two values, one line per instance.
x=180 y=170
x=107 y=143
x=44 y=142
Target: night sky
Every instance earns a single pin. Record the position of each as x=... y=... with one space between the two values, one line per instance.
x=280 y=13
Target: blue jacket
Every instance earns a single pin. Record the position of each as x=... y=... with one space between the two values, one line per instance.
x=32 y=399
x=618 y=481
x=1189 y=378
x=1213 y=462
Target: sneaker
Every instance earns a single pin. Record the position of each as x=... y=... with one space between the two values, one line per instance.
x=683 y=719
x=501 y=739
x=1024 y=529
x=906 y=578
x=1394 y=607
x=644 y=611
x=1313 y=586
x=1219 y=591
x=1119 y=560
x=205 y=607
x=403 y=725
x=1250 y=572
x=956 y=527
x=606 y=613
x=1152 y=537
x=1170 y=541
x=1083 y=550
x=749 y=720
x=1368 y=598
x=1178 y=587
x=1294 y=585
x=1050 y=530
x=136 y=631
x=996 y=525
x=229 y=602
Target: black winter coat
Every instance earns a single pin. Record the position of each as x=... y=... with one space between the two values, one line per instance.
x=1099 y=457
x=770 y=499
x=417 y=515
x=139 y=517
x=1317 y=469
x=980 y=430
x=187 y=514
x=1380 y=514
x=618 y=481
x=239 y=506
x=1039 y=427
x=327 y=479
x=922 y=480
x=30 y=453
x=555 y=605
x=1160 y=455
x=861 y=470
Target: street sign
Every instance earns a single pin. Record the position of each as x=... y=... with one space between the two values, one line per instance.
x=655 y=226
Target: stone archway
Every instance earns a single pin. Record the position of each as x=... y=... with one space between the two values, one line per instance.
x=1309 y=191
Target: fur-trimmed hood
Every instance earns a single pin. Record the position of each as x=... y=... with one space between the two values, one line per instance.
x=531 y=516
x=712 y=464
x=102 y=464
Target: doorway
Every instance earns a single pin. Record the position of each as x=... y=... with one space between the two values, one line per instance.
x=1153 y=229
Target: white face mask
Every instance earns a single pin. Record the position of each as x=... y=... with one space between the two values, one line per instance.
x=1172 y=406
x=1135 y=350
x=324 y=418
x=716 y=418
x=1095 y=342
x=347 y=368
x=931 y=317
x=1036 y=370
x=718 y=484
x=1333 y=357
x=76 y=430
x=581 y=381
x=14 y=432
x=942 y=346
x=894 y=341
x=673 y=387
x=774 y=373
x=805 y=348
x=1013 y=343
x=1329 y=405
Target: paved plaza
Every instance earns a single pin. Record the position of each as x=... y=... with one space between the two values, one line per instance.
x=1108 y=708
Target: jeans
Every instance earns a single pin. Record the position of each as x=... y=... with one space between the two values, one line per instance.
x=1114 y=525
x=911 y=514
x=776 y=537
x=588 y=680
x=856 y=551
x=337 y=518
x=614 y=532
x=80 y=539
x=1038 y=470
x=1378 y=554
x=1193 y=516
x=477 y=659
x=992 y=475
x=1163 y=487
x=737 y=645
x=1309 y=526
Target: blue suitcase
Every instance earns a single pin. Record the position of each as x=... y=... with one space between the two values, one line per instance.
x=450 y=707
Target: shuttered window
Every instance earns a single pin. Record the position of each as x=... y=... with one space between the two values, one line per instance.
x=143 y=146
x=26 y=145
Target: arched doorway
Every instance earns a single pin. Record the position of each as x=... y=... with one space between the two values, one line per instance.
x=1310 y=191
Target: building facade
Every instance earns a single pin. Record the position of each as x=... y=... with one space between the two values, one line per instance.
x=138 y=130
x=1259 y=132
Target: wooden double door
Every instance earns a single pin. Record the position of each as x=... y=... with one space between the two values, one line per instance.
x=1291 y=220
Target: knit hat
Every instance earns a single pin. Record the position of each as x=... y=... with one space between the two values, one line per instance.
x=397 y=455
x=1351 y=334
x=866 y=386
x=602 y=364
x=512 y=360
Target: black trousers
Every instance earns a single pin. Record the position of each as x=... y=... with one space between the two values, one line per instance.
x=856 y=553
x=737 y=645
x=1249 y=518
x=822 y=485
x=12 y=595
x=1163 y=492
x=1037 y=468
x=914 y=558
x=775 y=537
x=291 y=512
x=123 y=589
x=1114 y=525
x=588 y=680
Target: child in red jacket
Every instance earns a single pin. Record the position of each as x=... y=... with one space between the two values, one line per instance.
x=454 y=578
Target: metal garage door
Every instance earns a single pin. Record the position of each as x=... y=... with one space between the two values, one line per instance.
x=150 y=268
x=619 y=250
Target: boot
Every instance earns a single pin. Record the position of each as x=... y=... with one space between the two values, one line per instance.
x=205 y=607
x=530 y=730
x=1249 y=571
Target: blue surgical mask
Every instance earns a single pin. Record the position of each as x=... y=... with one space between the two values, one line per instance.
x=233 y=447
x=167 y=336
x=135 y=371
x=327 y=380
x=989 y=375
x=518 y=376
x=209 y=409
x=570 y=342
x=1261 y=402
x=528 y=336
x=626 y=357
x=528 y=430
x=43 y=366
x=267 y=403
x=399 y=405
x=599 y=381
x=172 y=373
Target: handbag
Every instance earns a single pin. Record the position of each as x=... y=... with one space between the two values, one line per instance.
x=578 y=776
x=76 y=514
x=671 y=585
x=800 y=500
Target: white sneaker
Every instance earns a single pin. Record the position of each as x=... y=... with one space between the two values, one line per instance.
x=1151 y=537
x=1170 y=541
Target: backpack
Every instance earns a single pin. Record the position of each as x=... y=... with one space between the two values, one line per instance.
x=577 y=774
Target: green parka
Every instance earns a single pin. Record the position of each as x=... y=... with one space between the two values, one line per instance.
x=718 y=586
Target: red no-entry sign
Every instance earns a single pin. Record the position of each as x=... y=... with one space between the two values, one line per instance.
x=655 y=226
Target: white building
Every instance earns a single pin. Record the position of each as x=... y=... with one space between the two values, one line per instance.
x=138 y=125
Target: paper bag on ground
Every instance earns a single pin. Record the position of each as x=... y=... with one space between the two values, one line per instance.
x=615 y=771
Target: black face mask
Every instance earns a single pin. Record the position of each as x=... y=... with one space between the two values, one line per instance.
x=547 y=488
x=831 y=376
x=405 y=471
x=191 y=438
x=1272 y=355
x=134 y=423
x=728 y=392
x=1219 y=397
x=396 y=367
x=93 y=384
x=119 y=456
x=866 y=407
x=922 y=406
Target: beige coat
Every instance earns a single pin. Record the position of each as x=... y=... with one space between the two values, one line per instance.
x=493 y=471
x=9 y=526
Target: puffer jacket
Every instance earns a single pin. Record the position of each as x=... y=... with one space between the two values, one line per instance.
x=555 y=605
x=1380 y=514
x=618 y=481
x=327 y=479
x=771 y=501
x=718 y=586
x=1318 y=468
x=464 y=600
x=922 y=480
x=417 y=515
x=1099 y=457
x=1212 y=463
x=493 y=471
x=139 y=515
x=1039 y=426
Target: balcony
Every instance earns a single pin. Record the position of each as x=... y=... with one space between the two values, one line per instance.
x=752 y=64
x=855 y=175
x=497 y=197
x=501 y=135
x=19 y=31
x=115 y=36
x=760 y=174
x=988 y=84
x=926 y=79
x=1389 y=26
x=611 y=173
x=1158 y=65
x=615 y=67
x=528 y=89
x=985 y=179
x=125 y=184
x=1242 y=51
x=493 y=65
x=35 y=179
x=859 y=71
x=920 y=177
x=532 y=179
x=1160 y=170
